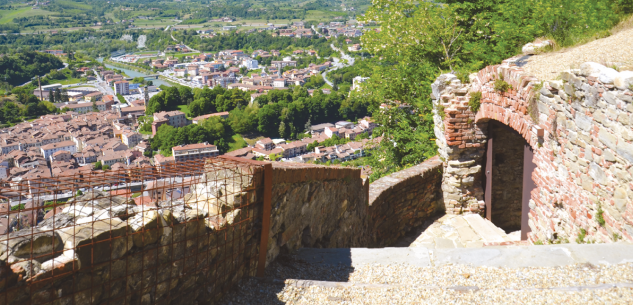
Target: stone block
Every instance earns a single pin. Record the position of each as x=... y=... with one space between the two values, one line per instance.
x=607 y=138
x=597 y=173
x=623 y=80
x=583 y=122
x=147 y=228
x=27 y=244
x=98 y=242
x=625 y=150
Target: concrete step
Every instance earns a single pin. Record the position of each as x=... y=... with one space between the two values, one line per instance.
x=511 y=257
x=462 y=231
x=485 y=229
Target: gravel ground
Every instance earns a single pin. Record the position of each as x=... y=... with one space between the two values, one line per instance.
x=617 y=48
x=406 y=295
x=404 y=284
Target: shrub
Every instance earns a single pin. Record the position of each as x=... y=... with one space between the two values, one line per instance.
x=475 y=102
x=502 y=86
x=463 y=77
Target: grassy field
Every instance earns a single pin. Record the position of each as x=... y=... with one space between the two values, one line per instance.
x=9 y=15
x=72 y=4
x=68 y=81
x=185 y=109
x=181 y=55
x=161 y=22
x=238 y=142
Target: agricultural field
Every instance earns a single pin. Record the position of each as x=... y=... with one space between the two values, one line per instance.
x=8 y=15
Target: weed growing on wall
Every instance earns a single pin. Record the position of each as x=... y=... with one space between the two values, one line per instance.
x=501 y=85
x=581 y=236
x=532 y=103
x=599 y=216
x=440 y=111
x=475 y=102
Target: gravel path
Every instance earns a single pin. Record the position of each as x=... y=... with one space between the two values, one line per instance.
x=404 y=284
x=616 y=49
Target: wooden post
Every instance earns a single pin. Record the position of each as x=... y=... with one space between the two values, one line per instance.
x=528 y=186
x=488 y=191
x=268 y=194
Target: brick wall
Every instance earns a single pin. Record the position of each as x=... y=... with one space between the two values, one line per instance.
x=580 y=130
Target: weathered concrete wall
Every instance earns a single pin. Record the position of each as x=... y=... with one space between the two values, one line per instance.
x=403 y=201
x=316 y=206
x=580 y=131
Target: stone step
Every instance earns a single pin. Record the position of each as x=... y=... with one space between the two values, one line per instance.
x=485 y=229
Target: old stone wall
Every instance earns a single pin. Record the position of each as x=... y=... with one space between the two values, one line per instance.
x=402 y=201
x=580 y=130
x=316 y=206
x=99 y=248
x=103 y=248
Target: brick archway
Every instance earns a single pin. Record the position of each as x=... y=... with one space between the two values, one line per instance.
x=581 y=161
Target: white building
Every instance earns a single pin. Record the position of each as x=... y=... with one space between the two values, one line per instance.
x=250 y=64
x=331 y=131
x=194 y=152
x=279 y=83
x=357 y=81
x=122 y=87
x=4 y=169
x=50 y=149
x=131 y=138
x=9 y=147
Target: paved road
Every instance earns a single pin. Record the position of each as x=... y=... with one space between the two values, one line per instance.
x=102 y=85
x=337 y=64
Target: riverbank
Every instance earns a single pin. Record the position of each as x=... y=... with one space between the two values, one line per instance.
x=134 y=71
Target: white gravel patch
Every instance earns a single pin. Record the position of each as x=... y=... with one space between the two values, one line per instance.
x=615 y=49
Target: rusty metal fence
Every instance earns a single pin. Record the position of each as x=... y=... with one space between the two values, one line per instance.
x=175 y=234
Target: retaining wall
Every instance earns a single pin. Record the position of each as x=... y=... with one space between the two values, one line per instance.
x=403 y=201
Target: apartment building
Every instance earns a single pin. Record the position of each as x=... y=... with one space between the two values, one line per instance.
x=122 y=87
x=131 y=138
x=173 y=118
x=49 y=149
x=194 y=152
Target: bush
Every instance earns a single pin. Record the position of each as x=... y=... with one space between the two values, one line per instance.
x=502 y=86
x=475 y=101
x=18 y=207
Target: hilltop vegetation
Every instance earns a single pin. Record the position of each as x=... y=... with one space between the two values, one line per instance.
x=420 y=40
x=18 y=68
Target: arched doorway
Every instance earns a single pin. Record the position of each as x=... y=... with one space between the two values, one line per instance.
x=508 y=184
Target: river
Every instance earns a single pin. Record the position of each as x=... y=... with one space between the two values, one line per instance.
x=133 y=74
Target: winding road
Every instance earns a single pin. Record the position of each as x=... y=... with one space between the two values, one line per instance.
x=337 y=64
